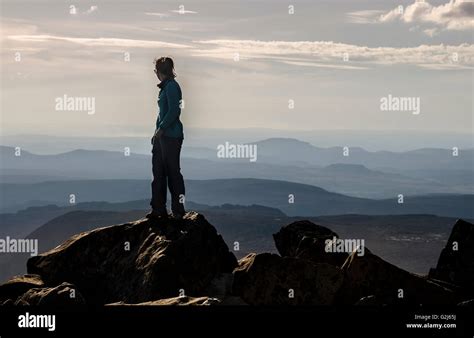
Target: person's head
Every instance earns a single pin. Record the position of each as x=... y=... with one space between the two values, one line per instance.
x=164 y=68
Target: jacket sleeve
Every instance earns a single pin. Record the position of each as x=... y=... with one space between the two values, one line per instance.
x=173 y=97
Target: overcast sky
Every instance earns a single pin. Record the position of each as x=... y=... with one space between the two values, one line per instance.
x=239 y=63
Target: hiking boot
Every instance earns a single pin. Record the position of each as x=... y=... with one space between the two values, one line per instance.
x=157 y=215
x=178 y=215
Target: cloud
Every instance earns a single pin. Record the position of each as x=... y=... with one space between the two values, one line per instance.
x=454 y=15
x=431 y=32
x=332 y=54
x=96 y=42
x=364 y=17
x=323 y=65
x=183 y=11
x=92 y=9
x=73 y=10
x=160 y=15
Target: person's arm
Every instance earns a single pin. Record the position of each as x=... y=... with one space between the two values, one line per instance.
x=173 y=97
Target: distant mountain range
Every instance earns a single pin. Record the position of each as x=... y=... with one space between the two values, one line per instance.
x=278 y=159
x=293 y=151
x=294 y=199
x=372 y=140
x=285 y=151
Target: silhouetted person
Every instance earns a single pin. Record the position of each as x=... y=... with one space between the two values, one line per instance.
x=167 y=142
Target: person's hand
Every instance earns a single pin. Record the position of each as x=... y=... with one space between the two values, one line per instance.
x=158 y=133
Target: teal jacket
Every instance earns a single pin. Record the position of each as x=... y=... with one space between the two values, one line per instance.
x=169 y=100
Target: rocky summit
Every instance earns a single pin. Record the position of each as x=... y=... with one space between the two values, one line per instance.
x=186 y=262
x=456 y=261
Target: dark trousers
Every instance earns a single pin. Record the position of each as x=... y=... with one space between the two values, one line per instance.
x=167 y=172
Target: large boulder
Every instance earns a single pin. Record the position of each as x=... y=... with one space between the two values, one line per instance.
x=456 y=261
x=63 y=295
x=306 y=240
x=139 y=261
x=186 y=301
x=268 y=279
x=17 y=286
x=370 y=275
